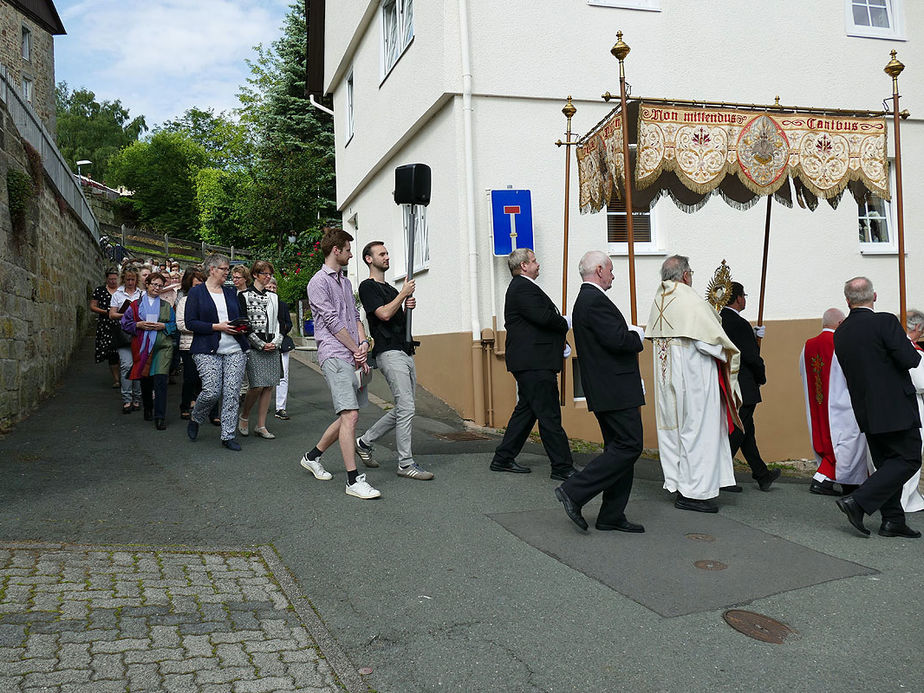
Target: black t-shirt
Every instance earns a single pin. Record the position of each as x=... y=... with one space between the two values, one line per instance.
x=388 y=334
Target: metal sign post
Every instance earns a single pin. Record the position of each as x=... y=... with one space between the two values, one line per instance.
x=412 y=232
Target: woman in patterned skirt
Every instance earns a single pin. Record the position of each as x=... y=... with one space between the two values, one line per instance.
x=264 y=366
x=105 y=326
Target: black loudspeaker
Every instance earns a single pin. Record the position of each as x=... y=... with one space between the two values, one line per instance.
x=412 y=184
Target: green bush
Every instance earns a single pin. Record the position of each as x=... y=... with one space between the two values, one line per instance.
x=295 y=265
x=20 y=192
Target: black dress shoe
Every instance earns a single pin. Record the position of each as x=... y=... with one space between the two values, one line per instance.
x=766 y=482
x=511 y=467
x=699 y=506
x=895 y=529
x=854 y=513
x=148 y=414
x=563 y=474
x=160 y=424
x=571 y=510
x=732 y=489
x=824 y=488
x=622 y=525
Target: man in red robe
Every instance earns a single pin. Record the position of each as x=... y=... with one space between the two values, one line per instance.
x=830 y=421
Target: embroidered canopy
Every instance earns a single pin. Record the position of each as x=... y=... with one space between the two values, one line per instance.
x=690 y=151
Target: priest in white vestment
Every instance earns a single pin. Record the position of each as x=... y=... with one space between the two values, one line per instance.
x=695 y=381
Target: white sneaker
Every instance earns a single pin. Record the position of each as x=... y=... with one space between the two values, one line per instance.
x=361 y=489
x=314 y=466
x=364 y=452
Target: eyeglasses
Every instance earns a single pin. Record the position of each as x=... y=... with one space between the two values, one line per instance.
x=155 y=286
x=264 y=274
x=226 y=268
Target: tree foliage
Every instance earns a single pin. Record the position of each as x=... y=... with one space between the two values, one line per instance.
x=91 y=130
x=162 y=172
x=225 y=139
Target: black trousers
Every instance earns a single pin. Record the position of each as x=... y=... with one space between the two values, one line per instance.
x=192 y=384
x=613 y=471
x=746 y=441
x=537 y=399
x=154 y=387
x=896 y=456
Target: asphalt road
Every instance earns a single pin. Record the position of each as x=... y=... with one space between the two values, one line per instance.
x=430 y=591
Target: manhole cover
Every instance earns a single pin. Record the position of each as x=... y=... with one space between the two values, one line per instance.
x=461 y=435
x=700 y=537
x=758 y=626
x=710 y=565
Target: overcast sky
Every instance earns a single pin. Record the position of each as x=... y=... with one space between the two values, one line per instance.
x=160 y=57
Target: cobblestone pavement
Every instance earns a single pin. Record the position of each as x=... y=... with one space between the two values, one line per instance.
x=98 y=618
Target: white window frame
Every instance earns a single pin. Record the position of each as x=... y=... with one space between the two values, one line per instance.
x=349 y=108
x=400 y=15
x=894 y=32
x=891 y=246
x=421 y=241
x=641 y=248
x=28 y=87
x=26 y=43
x=647 y=5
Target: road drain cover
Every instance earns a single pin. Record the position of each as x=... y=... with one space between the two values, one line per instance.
x=758 y=626
x=461 y=435
x=700 y=537
x=710 y=565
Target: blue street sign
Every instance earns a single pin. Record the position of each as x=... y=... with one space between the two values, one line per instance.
x=512 y=216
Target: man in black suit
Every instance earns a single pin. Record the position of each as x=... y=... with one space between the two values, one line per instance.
x=751 y=375
x=607 y=350
x=875 y=356
x=533 y=352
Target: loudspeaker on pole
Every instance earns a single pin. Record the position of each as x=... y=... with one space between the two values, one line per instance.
x=412 y=184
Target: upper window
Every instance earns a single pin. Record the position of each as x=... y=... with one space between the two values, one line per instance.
x=650 y=5
x=875 y=18
x=349 y=108
x=26 y=43
x=397 y=31
x=876 y=224
x=617 y=231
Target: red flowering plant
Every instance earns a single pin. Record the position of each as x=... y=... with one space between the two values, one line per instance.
x=296 y=263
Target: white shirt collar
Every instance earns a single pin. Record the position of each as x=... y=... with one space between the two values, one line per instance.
x=596 y=286
x=828 y=329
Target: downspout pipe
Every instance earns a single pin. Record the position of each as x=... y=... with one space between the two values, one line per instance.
x=471 y=231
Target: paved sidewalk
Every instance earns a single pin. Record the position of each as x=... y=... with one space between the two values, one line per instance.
x=101 y=618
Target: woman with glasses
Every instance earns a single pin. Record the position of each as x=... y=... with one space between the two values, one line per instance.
x=219 y=348
x=264 y=366
x=152 y=322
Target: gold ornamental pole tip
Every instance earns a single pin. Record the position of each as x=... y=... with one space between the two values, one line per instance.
x=569 y=110
x=621 y=49
x=894 y=67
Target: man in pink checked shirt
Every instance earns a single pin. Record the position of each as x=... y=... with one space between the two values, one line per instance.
x=342 y=351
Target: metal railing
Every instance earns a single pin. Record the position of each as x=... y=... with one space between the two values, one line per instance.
x=32 y=130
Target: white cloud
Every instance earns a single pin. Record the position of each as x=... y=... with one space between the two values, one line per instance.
x=161 y=57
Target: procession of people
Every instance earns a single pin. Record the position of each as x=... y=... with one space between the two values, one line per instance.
x=863 y=378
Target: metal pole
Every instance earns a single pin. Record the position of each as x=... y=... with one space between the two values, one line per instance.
x=411 y=227
x=894 y=69
x=569 y=110
x=620 y=51
x=763 y=266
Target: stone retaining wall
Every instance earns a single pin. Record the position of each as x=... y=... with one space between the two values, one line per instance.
x=49 y=266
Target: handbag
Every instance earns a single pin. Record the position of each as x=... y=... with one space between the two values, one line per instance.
x=122 y=338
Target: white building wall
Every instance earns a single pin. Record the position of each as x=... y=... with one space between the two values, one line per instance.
x=533 y=55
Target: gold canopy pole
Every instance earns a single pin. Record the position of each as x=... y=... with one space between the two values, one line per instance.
x=569 y=110
x=620 y=51
x=894 y=69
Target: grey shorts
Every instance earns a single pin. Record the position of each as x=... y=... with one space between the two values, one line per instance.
x=343 y=387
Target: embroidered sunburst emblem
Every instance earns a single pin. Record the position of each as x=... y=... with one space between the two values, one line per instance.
x=660 y=320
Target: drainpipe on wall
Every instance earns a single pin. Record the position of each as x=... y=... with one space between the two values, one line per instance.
x=477 y=355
